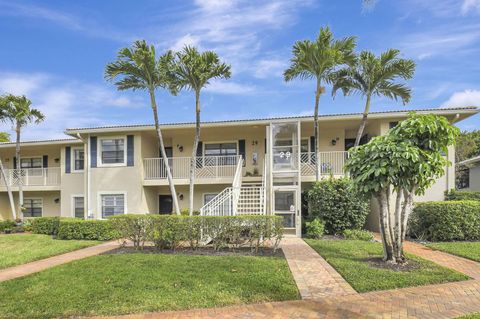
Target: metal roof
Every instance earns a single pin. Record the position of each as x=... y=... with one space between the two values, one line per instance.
x=470 y=161
x=52 y=141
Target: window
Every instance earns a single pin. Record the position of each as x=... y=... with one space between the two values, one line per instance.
x=34 y=165
x=33 y=207
x=78 y=159
x=212 y=151
x=392 y=124
x=304 y=146
x=112 y=205
x=112 y=151
x=208 y=197
x=79 y=207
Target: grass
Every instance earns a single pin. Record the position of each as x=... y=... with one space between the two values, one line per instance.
x=470 y=250
x=135 y=283
x=470 y=316
x=348 y=257
x=17 y=249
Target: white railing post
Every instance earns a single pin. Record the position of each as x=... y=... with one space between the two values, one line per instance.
x=44 y=172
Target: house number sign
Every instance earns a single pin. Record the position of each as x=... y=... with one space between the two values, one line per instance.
x=285 y=155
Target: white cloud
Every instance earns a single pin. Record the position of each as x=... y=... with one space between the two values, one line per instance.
x=65 y=103
x=470 y=6
x=223 y=87
x=186 y=40
x=269 y=68
x=464 y=98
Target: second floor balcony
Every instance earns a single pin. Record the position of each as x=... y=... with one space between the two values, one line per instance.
x=329 y=163
x=31 y=178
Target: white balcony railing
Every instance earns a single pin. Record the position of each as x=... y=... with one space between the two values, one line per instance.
x=328 y=162
x=32 y=177
x=206 y=167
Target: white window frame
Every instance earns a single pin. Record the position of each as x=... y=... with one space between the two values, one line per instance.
x=220 y=142
x=34 y=198
x=72 y=207
x=72 y=159
x=99 y=151
x=99 y=200
x=209 y=193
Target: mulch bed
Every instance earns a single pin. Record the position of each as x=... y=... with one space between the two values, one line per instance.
x=378 y=262
x=201 y=251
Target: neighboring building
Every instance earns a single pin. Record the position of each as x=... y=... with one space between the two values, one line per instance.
x=243 y=166
x=471 y=180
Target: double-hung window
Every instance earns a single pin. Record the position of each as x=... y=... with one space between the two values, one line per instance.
x=32 y=207
x=34 y=166
x=113 y=204
x=220 y=154
x=79 y=207
x=78 y=159
x=112 y=151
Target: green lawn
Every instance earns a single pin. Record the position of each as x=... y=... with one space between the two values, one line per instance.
x=16 y=249
x=470 y=250
x=471 y=316
x=135 y=283
x=348 y=258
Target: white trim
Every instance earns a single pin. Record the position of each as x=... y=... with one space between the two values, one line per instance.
x=72 y=159
x=99 y=201
x=99 y=151
x=72 y=204
x=31 y=198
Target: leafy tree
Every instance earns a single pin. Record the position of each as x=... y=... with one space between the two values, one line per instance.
x=375 y=76
x=4 y=137
x=193 y=70
x=402 y=163
x=319 y=60
x=139 y=69
x=18 y=111
x=467 y=146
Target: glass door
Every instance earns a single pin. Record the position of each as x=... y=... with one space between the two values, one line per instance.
x=285 y=205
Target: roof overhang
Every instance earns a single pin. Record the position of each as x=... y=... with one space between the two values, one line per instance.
x=42 y=143
x=474 y=161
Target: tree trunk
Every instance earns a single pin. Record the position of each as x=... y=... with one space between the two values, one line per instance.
x=193 y=160
x=364 y=121
x=318 y=92
x=385 y=227
x=162 y=151
x=9 y=190
x=19 y=172
x=398 y=240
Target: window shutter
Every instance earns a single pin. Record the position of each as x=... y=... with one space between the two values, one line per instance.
x=45 y=161
x=14 y=162
x=93 y=151
x=265 y=146
x=241 y=150
x=130 y=150
x=200 y=154
x=312 y=143
x=68 y=156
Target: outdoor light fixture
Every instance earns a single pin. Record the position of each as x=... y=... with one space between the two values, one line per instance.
x=180 y=147
x=334 y=141
x=57 y=160
x=56 y=200
x=180 y=196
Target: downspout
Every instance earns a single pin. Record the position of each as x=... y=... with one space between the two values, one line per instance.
x=86 y=190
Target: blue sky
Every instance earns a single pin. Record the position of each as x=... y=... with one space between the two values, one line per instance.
x=55 y=53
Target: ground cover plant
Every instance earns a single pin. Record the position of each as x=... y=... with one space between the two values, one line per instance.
x=135 y=283
x=360 y=263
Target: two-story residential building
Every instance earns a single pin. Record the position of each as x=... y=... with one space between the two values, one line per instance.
x=255 y=166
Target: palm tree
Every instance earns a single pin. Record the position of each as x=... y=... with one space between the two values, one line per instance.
x=375 y=76
x=5 y=137
x=318 y=60
x=18 y=111
x=193 y=70
x=140 y=69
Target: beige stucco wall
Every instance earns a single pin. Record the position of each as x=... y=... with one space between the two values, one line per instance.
x=50 y=208
x=72 y=184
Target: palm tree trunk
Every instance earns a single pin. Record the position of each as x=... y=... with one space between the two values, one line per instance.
x=193 y=161
x=9 y=190
x=316 y=130
x=364 y=121
x=19 y=171
x=162 y=151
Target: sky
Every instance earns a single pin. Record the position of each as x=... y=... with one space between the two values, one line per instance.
x=55 y=53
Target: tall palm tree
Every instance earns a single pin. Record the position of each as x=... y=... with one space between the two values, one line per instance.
x=5 y=137
x=193 y=70
x=376 y=76
x=140 y=69
x=18 y=111
x=318 y=60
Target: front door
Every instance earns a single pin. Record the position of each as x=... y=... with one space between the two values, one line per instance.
x=285 y=205
x=165 y=204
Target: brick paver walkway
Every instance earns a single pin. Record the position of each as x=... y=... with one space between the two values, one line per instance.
x=39 y=265
x=315 y=277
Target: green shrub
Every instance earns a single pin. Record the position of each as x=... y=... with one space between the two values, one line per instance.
x=315 y=228
x=75 y=228
x=358 y=234
x=135 y=227
x=27 y=225
x=446 y=221
x=338 y=204
x=45 y=225
x=6 y=224
x=461 y=195
x=186 y=212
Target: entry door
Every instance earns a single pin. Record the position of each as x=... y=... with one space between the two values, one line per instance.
x=286 y=205
x=165 y=204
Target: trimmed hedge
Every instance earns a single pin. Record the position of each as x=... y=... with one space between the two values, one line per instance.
x=6 y=224
x=446 y=221
x=338 y=204
x=45 y=225
x=74 y=228
x=169 y=231
x=461 y=195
